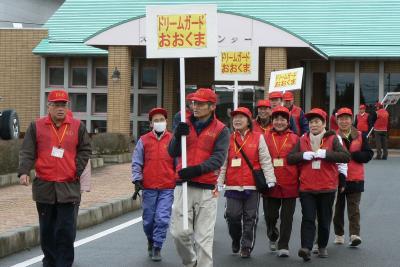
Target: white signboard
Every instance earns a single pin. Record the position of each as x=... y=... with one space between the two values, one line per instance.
x=391 y=98
x=236 y=64
x=286 y=80
x=181 y=31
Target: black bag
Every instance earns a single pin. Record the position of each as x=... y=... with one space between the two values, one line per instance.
x=258 y=175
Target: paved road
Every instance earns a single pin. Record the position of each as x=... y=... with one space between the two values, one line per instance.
x=379 y=227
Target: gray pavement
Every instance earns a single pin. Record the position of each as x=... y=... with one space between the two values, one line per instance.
x=380 y=216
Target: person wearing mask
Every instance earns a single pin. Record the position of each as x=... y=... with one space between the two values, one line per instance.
x=242 y=198
x=280 y=141
x=357 y=144
x=380 y=120
x=59 y=147
x=261 y=123
x=296 y=112
x=317 y=153
x=153 y=172
x=362 y=121
x=207 y=146
x=275 y=99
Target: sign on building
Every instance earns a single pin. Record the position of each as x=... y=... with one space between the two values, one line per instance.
x=286 y=80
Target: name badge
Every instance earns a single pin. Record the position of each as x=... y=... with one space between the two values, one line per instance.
x=236 y=162
x=278 y=162
x=316 y=164
x=57 y=152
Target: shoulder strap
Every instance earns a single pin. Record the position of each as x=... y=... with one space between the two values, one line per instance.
x=244 y=156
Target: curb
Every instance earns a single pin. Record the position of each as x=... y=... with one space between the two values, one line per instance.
x=28 y=236
x=12 y=178
x=117 y=158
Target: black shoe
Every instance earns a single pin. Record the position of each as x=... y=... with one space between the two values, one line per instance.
x=305 y=254
x=245 y=253
x=156 y=254
x=150 y=248
x=235 y=246
x=377 y=158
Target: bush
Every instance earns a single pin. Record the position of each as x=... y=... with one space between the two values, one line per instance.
x=9 y=155
x=111 y=143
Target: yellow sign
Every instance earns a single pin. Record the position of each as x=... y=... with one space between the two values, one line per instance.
x=182 y=31
x=286 y=79
x=235 y=62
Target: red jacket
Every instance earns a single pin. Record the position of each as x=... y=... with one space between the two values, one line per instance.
x=362 y=122
x=355 y=171
x=200 y=148
x=287 y=176
x=243 y=176
x=295 y=112
x=382 y=120
x=323 y=179
x=258 y=129
x=48 y=167
x=158 y=169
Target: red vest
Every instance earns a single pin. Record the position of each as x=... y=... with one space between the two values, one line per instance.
x=323 y=179
x=243 y=176
x=158 y=171
x=295 y=112
x=362 y=122
x=287 y=176
x=382 y=120
x=355 y=170
x=51 y=168
x=258 y=129
x=200 y=148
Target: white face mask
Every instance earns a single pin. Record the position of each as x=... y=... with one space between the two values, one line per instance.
x=160 y=126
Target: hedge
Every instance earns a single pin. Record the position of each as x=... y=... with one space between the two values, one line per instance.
x=9 y=153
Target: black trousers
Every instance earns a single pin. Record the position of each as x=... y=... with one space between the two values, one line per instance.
x=316 y=205
x=242 y=217
x=381 y=143
x=287 y=207
x=57 y=224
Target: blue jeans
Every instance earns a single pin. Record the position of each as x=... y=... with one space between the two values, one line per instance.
x=157 y=207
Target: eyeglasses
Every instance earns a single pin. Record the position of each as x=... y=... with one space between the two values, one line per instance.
x=58 y=104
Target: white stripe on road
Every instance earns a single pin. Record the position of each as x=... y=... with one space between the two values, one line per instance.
x=84 y=241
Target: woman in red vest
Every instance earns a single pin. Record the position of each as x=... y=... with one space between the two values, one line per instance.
x=280 y=141
x=361 y=153
x=380 y=120
x=242 y=198
x=262 y=123
x=317 y=153
x=362 y=121
x=153 y=171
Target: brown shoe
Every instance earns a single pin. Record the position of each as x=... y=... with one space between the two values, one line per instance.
x=305 y=254
x=322 y=253
x=245 y=253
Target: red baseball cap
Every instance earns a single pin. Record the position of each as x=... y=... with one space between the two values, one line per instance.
x=363 y=106
x=288 y=96
x=280 y=110
x=189 y=96
x=378 y=105
x=344 y=111
x=157 y=111
x=316 y=112
x=242 y=110
x=263 y=103
x=204 y=95
x=275 y=95
x=58 y=96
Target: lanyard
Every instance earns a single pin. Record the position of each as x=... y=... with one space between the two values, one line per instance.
x=58 y=137
x=236 y=149
x=276 y=147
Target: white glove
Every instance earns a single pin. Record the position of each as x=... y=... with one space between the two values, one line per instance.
x=270 y=185
x=309 y=155
x=321 y=153
x=342 y=168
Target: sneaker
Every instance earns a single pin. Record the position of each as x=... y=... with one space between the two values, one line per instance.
x=305 y=254
x=355 y=240
x=245 y=253
x=273 y=245
x=322 y=253
x=283 y=253
x=315 y=249
x=235 y=246
x=156 y=254
x=339 y=239
x=150 y=248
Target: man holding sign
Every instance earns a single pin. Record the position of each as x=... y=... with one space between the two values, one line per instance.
x=207 y=145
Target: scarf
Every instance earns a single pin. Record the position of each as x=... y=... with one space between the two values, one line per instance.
x=316 y=140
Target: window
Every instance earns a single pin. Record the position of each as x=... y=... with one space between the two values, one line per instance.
x=344 y=90
x=79 y=76
x=56 y=76
x=99 y=103
x=148 y=74
x=78 y=102
x=131 y=106
x=320 y=91
x=143 y=127
x=392 y=84
x=369 y=84
x=99 y=126
x=101 y=75
x=146 y=103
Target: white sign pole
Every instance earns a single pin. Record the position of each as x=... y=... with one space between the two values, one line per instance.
x=236 y=95
x=183 y=144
